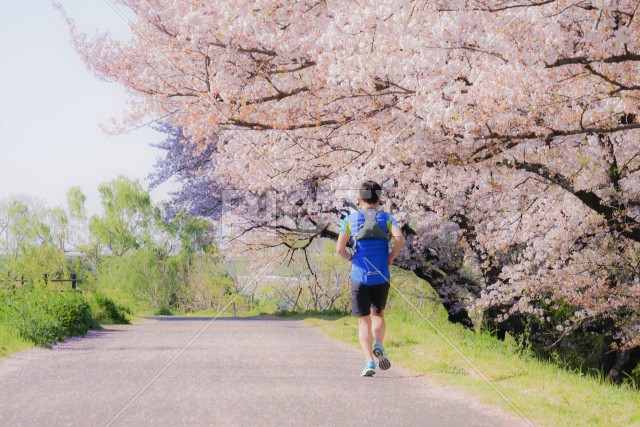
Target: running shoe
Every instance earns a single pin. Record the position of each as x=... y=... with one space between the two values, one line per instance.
x=383 y=361
x=369 y=369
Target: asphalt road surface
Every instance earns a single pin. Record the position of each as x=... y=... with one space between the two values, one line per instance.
x=242 y=372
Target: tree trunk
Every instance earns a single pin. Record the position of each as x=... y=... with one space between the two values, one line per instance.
x=442 y=283
x=456 y=310
x=626 y=361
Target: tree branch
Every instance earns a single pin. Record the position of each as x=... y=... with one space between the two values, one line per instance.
x=616 y=220
x=583 y=60
x=515 y=139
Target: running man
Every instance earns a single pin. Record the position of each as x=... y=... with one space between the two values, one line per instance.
x=370 y=228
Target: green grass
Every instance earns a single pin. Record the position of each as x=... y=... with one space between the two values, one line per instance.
x=10 y=342
x=541 y=391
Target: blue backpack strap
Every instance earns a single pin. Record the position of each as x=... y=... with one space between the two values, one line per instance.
x=353 y=223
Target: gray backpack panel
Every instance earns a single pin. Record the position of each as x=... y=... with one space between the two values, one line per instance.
x=371 y=229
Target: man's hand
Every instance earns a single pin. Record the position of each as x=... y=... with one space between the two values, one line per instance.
x=341 y=247
x=398 y=242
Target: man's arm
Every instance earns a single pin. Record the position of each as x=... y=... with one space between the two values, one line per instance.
x=341 y=246
x=398 y=243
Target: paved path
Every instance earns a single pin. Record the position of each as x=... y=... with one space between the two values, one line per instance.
x=237 y=372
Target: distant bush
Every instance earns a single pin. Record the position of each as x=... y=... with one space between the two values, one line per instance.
x=163 y=311
x=43 y=316
x=106 y=310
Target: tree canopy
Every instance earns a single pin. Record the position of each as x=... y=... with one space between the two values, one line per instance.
x=504 y=133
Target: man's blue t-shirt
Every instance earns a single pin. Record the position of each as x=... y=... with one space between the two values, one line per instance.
x=370 y=259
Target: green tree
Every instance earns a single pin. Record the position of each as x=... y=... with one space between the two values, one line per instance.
x=53 y=228
x=34 y=238
x=76 y=203
x=206 y=285
x=190 y=234
x=128 y=219
x=80 y=240
x=140 y=278
x=20 y=228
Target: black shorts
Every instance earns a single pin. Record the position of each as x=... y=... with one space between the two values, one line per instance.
x=364 y=298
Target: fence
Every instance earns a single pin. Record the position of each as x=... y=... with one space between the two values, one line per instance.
x=46 y=280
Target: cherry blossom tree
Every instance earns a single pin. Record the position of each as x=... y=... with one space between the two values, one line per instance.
x=192 y=170
x=505 y=133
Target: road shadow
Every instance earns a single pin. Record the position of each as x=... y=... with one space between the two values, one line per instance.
x=217 y=319
x=103 y=333
x=324 y=315
x=395 y=377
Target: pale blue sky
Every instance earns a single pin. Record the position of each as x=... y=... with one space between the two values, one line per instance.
x=51 y=107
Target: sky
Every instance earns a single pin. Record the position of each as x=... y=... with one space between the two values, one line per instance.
x=51 y=108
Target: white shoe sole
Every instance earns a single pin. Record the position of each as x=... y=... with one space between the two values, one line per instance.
x=368 y=373
x=383 y=362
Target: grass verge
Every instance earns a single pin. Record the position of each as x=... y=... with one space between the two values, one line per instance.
x=544 y=393
x=40 y=316
x=11 y=342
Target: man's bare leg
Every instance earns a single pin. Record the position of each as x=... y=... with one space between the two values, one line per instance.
x=365 y=336
x=378 y=329
x=378 y=325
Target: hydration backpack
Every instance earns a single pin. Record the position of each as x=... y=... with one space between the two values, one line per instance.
x=370 y=229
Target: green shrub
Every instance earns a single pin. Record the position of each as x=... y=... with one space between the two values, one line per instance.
x=106 y=310
x=163 y=311
x=45 y=317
